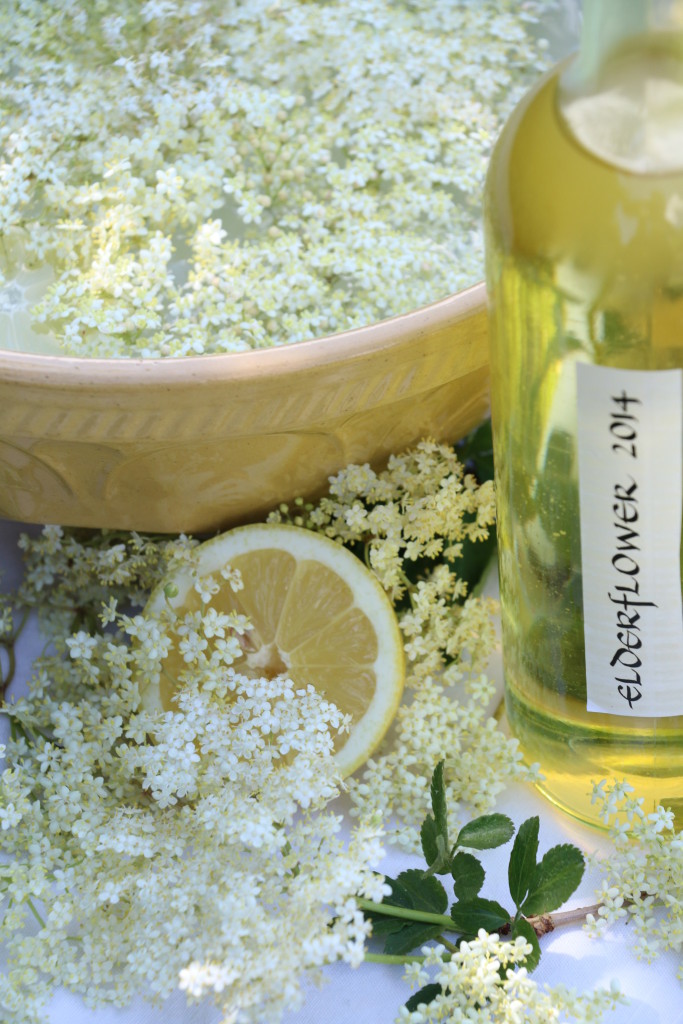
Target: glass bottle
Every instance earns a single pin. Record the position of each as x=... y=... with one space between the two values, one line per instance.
x=584 y=230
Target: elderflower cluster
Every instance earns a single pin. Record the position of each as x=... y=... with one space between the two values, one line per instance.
x=78 y=578
x=204 y=832
x=643 y=875
x=412 y=522
x=483 y=983
x=187 y=177
x=191 y=846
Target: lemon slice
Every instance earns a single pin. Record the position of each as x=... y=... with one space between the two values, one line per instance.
x=318 y=615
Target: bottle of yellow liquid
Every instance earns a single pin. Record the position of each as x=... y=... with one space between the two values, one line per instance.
x=584 y=223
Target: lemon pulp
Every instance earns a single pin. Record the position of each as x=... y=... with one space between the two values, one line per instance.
x=318 y=615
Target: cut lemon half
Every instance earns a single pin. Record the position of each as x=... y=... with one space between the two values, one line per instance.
x=318 y=615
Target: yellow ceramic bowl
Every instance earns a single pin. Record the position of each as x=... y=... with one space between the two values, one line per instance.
x=204 y=442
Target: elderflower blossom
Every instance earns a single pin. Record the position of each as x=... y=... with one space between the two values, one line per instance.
x=201 y=833
x=421 y=509
x=161 y=803
x=483 y=983
x=643 y=875
x=79 y=577
x=178 y=180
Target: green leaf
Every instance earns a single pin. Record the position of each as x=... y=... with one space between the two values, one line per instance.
x=487 y=832
x=400 y=897
x=383 y=925
x=424 y=893
x=410 y=891
x=428 y=834
x=439 y=808
x=434 y=831
x=523 y=859
x=476 y=452
x=468 y=875
x=556 y=877
x=522 y=927
x=423 y=997
x=473 y=564
x=414 y=935
x=471 y=915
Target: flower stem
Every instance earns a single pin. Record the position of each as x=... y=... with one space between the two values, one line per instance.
x=35 y=913
x=541 y=923
x=544 y=923
x=389 y=958
x=407 y=913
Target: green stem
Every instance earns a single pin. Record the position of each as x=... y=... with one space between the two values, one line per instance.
x=450 y=946
x=406 y=913
x=541 y=923
x=409 y=585
x=388 y=958
x=366 y=554
x=35 y=913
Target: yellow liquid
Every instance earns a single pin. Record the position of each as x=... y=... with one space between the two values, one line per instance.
x=584 y=262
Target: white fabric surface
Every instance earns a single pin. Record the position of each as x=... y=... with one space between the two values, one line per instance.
x=372 y=993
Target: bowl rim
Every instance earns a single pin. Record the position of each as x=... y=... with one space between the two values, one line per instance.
x=94 y=372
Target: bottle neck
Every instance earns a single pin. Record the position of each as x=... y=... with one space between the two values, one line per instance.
x=622 y=96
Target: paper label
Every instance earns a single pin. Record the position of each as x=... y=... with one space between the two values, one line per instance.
x=630 y=446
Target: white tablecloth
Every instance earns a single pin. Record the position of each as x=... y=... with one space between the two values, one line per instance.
x=372 y=993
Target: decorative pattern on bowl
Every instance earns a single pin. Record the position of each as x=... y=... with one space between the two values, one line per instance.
x=197 y=444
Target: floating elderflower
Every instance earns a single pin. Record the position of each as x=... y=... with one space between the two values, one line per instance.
x=211 y=177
